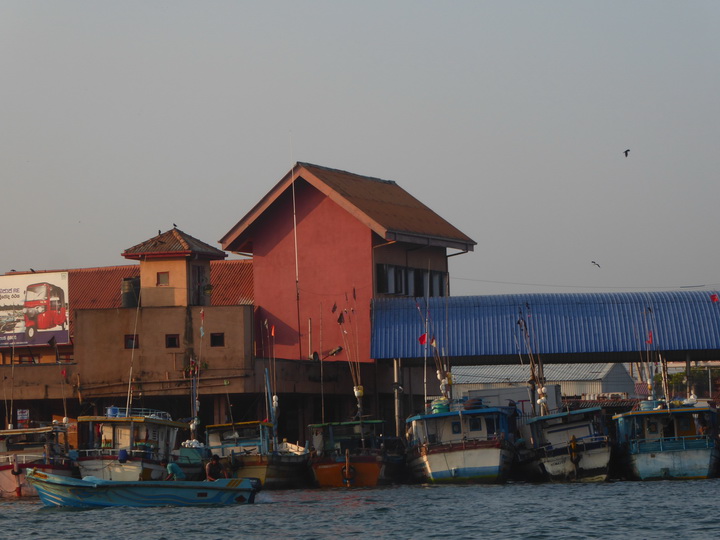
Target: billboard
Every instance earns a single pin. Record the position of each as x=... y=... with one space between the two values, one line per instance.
x=34 y=309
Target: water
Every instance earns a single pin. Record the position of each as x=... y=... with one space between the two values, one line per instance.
x=649 y=510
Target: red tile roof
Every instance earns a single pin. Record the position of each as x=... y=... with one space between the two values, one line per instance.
x=173 y=243
x=232 y=282
x=98 y=288
x=385 y=207
x=101 y=288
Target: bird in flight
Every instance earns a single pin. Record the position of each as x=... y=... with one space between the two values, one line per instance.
x=596 y=264
x=626 y=152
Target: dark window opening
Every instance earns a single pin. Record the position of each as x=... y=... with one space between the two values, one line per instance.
x=132 y=341
x=172 y=341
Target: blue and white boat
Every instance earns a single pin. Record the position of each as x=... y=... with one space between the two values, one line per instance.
x=679 y=441
x=462 y=442
x=569 y=446
x=91 y=492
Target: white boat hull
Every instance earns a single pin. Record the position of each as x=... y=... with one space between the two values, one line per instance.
x=109 y=468
x=462 y=463
x=592 y=466
x=678 y=464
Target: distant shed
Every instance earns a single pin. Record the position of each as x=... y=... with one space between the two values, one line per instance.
x=574 y=379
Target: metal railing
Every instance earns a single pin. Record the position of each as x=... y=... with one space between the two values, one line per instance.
x=670 y=444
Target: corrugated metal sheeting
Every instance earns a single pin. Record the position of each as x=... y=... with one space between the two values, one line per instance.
x=476 y=326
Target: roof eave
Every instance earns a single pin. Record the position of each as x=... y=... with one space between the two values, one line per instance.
x=169 y=254
x=402 y=236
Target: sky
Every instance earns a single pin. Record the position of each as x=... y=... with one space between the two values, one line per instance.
x=508 y=119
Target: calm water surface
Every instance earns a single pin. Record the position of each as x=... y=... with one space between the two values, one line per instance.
x=650 y=510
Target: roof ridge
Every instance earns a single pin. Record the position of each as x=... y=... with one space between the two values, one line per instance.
x=330 y=169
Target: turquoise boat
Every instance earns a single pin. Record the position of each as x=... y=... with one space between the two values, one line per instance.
x=678 y=441
x=91 y=492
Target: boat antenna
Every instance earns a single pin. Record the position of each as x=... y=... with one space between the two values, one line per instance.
x=12 y=385
x=297 y=268
x=353 y=363
x=132 y=355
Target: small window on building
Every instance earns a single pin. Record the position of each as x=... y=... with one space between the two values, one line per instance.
x=172 y=341
x=456 y=428
x=217 y=339
x=163 y=279
x=132 y=341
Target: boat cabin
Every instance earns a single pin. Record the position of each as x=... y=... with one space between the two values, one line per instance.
x=457 y=426
x=655 y=423
x=46 y=441
x=144 y=433
x=556 y=430
x=253 y=437
x=354 y=436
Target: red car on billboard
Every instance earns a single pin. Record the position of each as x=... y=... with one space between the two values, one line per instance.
x=44 y=308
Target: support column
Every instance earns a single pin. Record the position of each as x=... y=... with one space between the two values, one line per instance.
x=397 y=389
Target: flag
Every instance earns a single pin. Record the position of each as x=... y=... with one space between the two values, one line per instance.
x=650 y=338
x=423 y=339
x=341 y=318
x=433 y=343
x=272 y=330
x=714 y=298
x=63 y=372
x=202 y=332
x=202 y=315
x=334 y=308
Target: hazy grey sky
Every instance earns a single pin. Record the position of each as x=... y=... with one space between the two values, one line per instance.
x=509 y=119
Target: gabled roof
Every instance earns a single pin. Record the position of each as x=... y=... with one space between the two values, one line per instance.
x=382 y=205
x=173 y=243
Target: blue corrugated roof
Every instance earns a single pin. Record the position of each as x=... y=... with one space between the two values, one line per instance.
x=477 y=326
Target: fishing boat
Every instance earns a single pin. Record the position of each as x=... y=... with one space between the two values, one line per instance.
x=128 y=445
x=91 y=492
x=250 y=449
x=461 y=441
x=43 y=448
x=355 y=454
x=662 y=440
x=569 y=446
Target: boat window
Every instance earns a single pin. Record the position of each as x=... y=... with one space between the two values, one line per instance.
x=490 y=425
x=475 y=423
x=456 y=428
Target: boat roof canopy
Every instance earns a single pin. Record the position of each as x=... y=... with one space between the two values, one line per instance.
x=562 y=414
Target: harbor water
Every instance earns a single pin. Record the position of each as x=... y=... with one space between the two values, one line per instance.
x=637 y=510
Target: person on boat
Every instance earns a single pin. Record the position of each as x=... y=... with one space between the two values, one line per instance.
x=214 y=469
x=174 y=472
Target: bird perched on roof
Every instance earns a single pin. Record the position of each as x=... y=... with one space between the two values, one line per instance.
x=174 y=225
x=596 y=264
x=626 y=152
